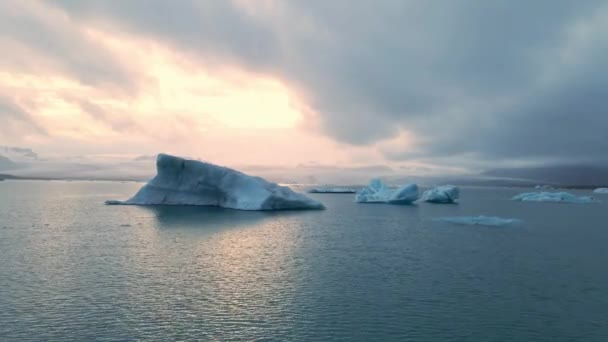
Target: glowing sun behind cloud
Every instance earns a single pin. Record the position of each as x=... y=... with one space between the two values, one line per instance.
x=176 y=103
x=217 y=94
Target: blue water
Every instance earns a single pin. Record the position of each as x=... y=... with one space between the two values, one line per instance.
x=72 y=268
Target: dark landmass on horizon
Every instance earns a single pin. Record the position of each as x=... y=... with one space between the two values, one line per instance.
x=575 y=176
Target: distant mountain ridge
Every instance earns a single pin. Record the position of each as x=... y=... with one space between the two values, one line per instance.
x=18 y=153
x=567 y=175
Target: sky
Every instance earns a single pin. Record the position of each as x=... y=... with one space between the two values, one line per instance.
x=445 y=86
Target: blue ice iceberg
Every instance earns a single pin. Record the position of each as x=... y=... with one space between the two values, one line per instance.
x=441 y=194
x=553 y=197
x=490 y=221
x=189 y=182
x=601 y=191
x=377 y=192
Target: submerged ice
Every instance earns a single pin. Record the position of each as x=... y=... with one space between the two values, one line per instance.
x=441 y=194
x=189 y=182
x=554 y=197
x=481 y=220
x=377 y=192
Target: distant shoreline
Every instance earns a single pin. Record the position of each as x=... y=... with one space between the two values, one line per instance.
x=28 y=178
x=475 y=183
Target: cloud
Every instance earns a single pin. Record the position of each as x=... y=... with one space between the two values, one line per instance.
x=487 y=81
x=16 y=120
x=470 y=83
x=36 y=37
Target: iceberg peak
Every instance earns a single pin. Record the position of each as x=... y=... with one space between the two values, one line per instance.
x=182 y=181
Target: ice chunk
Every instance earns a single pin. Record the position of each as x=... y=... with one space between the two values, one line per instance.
x=601 y=191
x=491 y=221
x=189 y=182
x=441 y=194
x=555 y=197
x=377 y=192
x=332 y=191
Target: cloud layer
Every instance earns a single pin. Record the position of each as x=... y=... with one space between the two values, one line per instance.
x=469 y=83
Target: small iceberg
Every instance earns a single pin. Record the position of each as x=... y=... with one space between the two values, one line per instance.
x=332 y=191
x=441 y=194
x=490 y=221
x=553 y=197
x=189 y=182
x=603 y=191
x=377 y=192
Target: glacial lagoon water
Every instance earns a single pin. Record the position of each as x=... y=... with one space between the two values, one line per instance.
x=74 y=269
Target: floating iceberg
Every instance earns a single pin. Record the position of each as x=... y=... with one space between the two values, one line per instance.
x=441 y=194
x=378 y=192
x=332 y=191
x=601 y=191
x=554 y=197
x=189 y=182
x=479 y=221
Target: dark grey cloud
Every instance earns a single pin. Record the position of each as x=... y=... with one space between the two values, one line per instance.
x=216 y=30
x=43 y=40
x=484 y=80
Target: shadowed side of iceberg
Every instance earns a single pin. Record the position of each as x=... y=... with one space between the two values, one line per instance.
x=441 y=194
x=190 y=182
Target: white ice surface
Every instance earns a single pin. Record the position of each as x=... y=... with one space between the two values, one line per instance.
x=441 y=194
x=377 y=192
x=553 y=197
x=189 y=182
x=491 y=221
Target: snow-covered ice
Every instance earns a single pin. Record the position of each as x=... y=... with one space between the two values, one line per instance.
x=601 y=191
x=189 y=182
x=441 y=194
x=377 y=192
x=332 y=191
x=491 y=221
x=554 y=197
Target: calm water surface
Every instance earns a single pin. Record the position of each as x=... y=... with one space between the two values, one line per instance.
x=74 y=269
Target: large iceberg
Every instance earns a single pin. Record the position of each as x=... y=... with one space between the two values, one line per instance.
x=377 y=192
x=189 y=182
x=491 y=221
x=441 y=194
x=601 y=191
x=554 y=197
